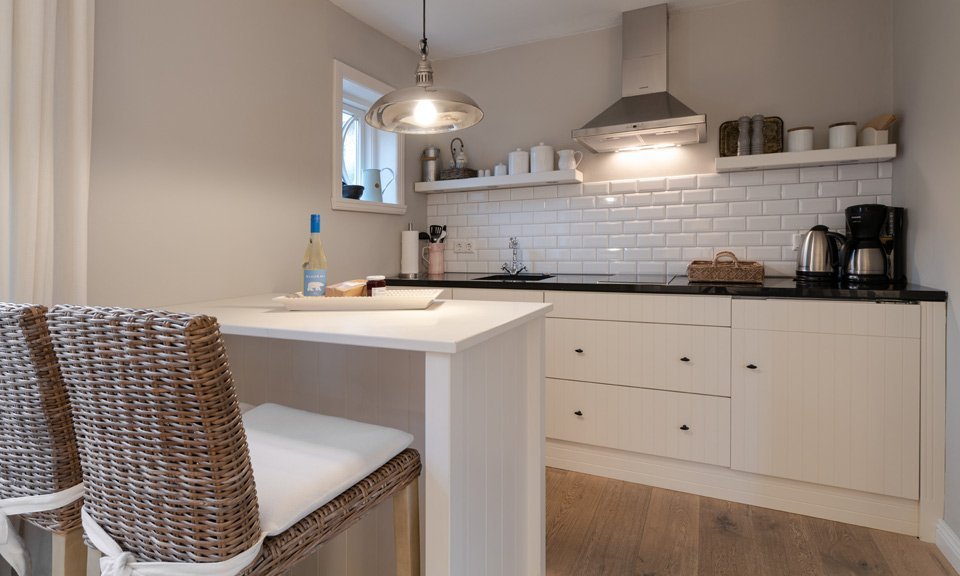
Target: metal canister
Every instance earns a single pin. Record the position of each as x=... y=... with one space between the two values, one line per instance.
x=430 y=162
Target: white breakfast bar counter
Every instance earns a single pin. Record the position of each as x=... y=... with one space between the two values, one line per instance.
x=465 y=377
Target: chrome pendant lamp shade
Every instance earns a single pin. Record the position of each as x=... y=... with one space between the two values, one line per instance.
x=424 y=109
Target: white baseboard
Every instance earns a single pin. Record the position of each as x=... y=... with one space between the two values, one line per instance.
x=949 y=543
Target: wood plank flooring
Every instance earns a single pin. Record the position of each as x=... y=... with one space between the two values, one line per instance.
x=599 y=526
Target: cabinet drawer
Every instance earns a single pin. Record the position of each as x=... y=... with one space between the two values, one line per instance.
x=896 y=320
x=695 y=310
x=671 y=424
x=662 y=356
x=498 y=295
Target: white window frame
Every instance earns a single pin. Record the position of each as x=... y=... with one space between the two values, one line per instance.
x=342 y=72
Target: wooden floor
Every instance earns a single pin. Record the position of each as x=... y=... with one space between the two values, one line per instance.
x=601 y=526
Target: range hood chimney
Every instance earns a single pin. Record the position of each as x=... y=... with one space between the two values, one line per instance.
x=647 y=116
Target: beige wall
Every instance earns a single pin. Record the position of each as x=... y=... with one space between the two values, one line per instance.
x=812 y=62
x=212 y=145
x=927 y=181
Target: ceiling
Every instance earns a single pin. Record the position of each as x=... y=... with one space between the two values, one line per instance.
x=461 y=27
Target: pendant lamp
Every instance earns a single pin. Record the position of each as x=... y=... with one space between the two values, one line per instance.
x=423 y=109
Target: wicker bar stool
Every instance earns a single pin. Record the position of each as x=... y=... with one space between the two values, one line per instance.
x=177 y=479
x=39 y=469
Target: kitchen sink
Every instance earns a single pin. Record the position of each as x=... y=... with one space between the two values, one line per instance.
x=516 y=277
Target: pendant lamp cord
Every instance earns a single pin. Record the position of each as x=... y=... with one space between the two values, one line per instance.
x=423 y=42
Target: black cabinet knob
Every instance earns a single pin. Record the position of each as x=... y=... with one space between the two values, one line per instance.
x=684 y=359
x=579 y=350
x=578 y=413
x=752 y=366
x=684 y=427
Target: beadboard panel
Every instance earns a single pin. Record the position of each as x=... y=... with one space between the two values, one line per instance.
x=637 y=420
x=367 y=384
x=640 y=355
x=837 y=410
x=496 y=295
x=828 y=317
x=661 y=308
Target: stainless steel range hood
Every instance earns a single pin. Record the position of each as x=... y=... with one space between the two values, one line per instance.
x=647 y=116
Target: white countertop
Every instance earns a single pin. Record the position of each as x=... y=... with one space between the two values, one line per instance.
x=447 y=326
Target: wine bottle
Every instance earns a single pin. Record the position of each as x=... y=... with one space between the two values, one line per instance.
x=314 y=262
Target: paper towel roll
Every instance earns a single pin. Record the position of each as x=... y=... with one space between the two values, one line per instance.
x=409 y=254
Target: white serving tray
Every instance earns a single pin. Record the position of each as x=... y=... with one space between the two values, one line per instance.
x=394 y=299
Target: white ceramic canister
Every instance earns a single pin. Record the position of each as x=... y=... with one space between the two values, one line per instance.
x=800 y=139
x=518 y=162
x=541 y=158
x=569 y=159
x=843 y=135
x=500 y=169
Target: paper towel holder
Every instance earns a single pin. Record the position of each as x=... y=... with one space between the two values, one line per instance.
x=410 y=256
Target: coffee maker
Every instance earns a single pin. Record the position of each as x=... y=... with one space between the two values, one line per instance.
x=863 y=260
x=893 y=239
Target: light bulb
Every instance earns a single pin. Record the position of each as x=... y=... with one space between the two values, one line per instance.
x=425 y=113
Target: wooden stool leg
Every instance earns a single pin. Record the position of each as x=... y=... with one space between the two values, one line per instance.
x=406 y=529
x=93 y=562
x=69 y=554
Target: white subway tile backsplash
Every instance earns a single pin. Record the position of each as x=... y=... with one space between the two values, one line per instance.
x=780 y=207
x=745 y=208
x=840 y=188
x=623 y=187
x=730 y=194
x=818 y=174
x=697 y=196
x=682 y=211
x=713 y=180
x=770 y=192
x=731 y=224
x=637 y=227
x=817 y=205
x=655 y=225
x=751 y=178
x=651 y=184
x=596 y=188
x=583 y=228
x=885 y=200
x=697 y=225
x=609 y=228
x=808 y=190
x=763 y=223
x=713 y=210
x=800 y=222
x=673 y=197
x=879 y=187
x=856 y=171
x=784 y=176
x=666 y=226
x=681 y=182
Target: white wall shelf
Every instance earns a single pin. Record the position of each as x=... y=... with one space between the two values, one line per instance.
x=492 y=182
x=854 y=155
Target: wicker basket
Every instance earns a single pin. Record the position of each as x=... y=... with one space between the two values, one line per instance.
x=737 y=271
x=457 y=173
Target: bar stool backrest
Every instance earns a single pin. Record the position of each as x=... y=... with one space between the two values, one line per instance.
x=164 y=456
x=38 y=451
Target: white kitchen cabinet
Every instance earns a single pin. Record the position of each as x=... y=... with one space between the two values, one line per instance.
x=659 y=356
x=632 y=307
x=690 y=427
x=497 y=295
x=820 y=404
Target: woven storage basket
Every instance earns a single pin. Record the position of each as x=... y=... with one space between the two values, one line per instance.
x=735 y=271
x=457 y=173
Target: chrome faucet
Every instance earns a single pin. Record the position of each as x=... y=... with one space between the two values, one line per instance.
x=514 y=268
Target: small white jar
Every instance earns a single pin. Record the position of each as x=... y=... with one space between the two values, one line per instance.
x=843 y=135
x=518 y=162
x=800 y=139
x=541 y=158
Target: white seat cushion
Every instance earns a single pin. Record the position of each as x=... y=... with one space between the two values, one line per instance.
x=302 y=460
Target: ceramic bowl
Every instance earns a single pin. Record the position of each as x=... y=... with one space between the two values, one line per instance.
x=352 y=191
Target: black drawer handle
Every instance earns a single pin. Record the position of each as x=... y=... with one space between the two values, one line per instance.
x=684 y=359
x=579 y=413
x=579 y=350
x=684 y=427
x=752 y=366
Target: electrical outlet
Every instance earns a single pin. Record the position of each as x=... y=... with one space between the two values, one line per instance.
x=458 y=246
x=461 y=246
x=797 y=239
x=468 y=247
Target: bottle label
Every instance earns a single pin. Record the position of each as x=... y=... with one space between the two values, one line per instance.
x=314 y=282
x=379 y=291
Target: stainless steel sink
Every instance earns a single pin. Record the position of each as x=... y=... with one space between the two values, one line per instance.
x=516 y=277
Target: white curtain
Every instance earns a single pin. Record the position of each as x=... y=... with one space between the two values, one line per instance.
x=46 y=92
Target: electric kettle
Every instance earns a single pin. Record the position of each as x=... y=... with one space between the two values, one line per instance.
x=819 y=256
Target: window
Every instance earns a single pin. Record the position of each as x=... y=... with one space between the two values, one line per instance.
x=363 y=153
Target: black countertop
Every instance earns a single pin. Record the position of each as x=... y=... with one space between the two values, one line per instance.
x=654 y=284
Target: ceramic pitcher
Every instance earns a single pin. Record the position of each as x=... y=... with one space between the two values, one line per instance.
x=372 y=190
